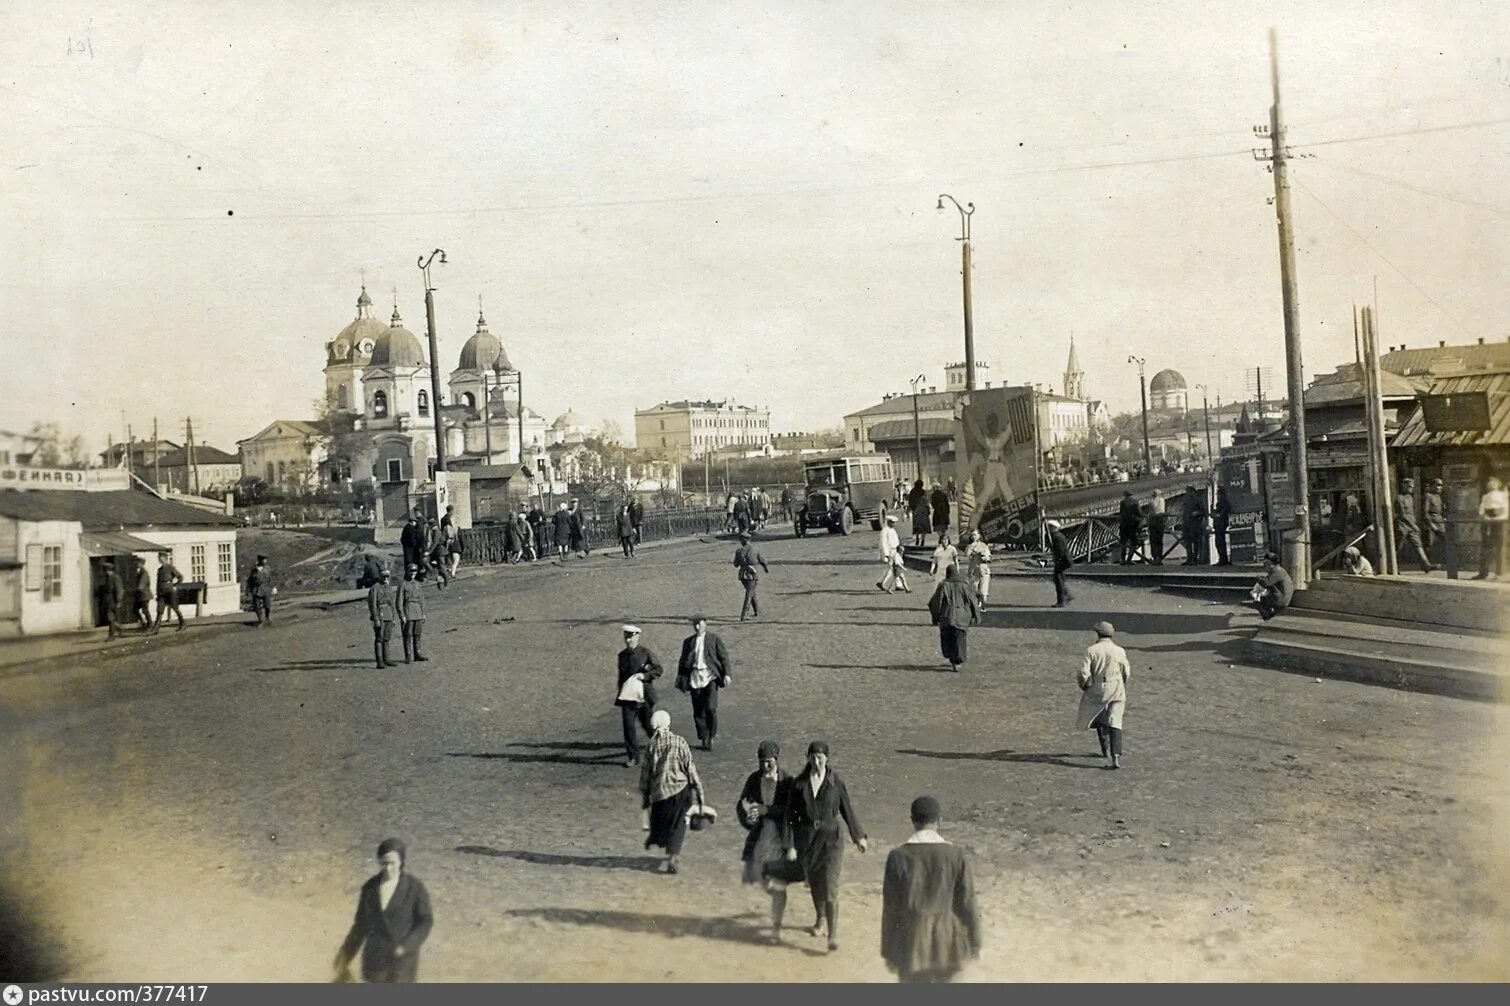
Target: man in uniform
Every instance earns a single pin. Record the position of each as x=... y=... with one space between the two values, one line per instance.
x=1407 y=531
x=409 y=602
x=141 y=593
x=704 y=668
x=745 y=559
x=168 y=579
x=1434 y=528
x=636 y=660
x=259 y=588
x=382 y=609
x=112 y=594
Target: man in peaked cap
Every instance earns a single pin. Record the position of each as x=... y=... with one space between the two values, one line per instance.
x=636 y=661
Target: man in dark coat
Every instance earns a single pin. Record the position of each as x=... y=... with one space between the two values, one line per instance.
x=1059 y=548
x=577 y=529
x=259 y=588
x=540 y=528
x=929 y=922
x=637 y=517
x=746 y=557
x=954 y=608
x=818 y=799
x=741 y=515
x=141 y=593
x=1407 y=530
x=635 y=659
x=938 y=501
x=1193 y=523
x=1129 y=523
x=412 y=538
x=392 y=922
x=561 y=524
x=703 y=668
x=112 y=596
x=1221 y=518
x=168 y=579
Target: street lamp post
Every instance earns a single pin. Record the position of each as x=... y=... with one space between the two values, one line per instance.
x=917 y=431
x=965 y=213
x=435 y=399
x=1143 y=395
x=1206 y=414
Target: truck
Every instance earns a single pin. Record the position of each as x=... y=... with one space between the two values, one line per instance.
x=842 y=490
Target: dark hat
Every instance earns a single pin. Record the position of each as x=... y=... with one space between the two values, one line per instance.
x=818 y=747
x=768 y=749
x=412 y=565
x=397 y=845
x=262 y=558
x=926 y=809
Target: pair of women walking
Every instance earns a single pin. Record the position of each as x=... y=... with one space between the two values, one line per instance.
x=794 y=833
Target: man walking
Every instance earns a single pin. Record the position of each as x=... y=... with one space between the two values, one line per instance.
x=704 y=668
x=577 y=529
x=111 y=593
x=978 y=559
x=1434 y=526
x=382 y=609
x=638 y=669
x=954 y=608
x=168 y=579
x=141 y=593
x=409 y=602
x=929 y=921
x=1103 y=692
x=259 y=588
x=891 y=555
x=938 y=502
x=1221 y=518
x=1059 y=548
x=1407 y=531
x=745 y=559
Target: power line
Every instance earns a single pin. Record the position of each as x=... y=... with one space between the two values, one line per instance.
x=1397 y=183
x=1383 y=258
x=1406 y=132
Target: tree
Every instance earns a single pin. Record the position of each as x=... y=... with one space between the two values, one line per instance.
x=54 y=450
x=610 y=432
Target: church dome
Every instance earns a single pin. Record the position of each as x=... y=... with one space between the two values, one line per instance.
x=354 y=343
x=483 y=350
x=567 y=420
x=1167 y=380
x=397 y=346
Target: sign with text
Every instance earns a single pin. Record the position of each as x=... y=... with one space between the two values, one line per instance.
x=1465 y=412
x=96 y=479
x=995 y=439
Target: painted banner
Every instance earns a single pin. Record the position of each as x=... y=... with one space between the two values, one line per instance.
x=994 y=437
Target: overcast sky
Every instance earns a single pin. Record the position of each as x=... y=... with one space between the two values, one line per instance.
x=661 y=201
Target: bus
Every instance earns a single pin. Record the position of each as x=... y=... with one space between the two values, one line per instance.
x=843 y=490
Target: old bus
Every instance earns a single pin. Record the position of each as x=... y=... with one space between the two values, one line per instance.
x=843 y=490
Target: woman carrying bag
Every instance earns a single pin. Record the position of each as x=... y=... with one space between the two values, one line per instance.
x=762 y=810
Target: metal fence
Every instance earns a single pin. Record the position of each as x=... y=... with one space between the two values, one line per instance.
x=488 y=544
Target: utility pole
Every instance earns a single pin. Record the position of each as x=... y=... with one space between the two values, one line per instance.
x=440 y=430
x=1299 y=562
x=130 y=451
x=1206 y=413
x=1143 y=395
x=157 y=464
x=189 y=457
x=917 y=430
x=965 y=213
x=1381 y=487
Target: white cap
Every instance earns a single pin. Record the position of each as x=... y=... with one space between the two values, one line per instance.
x=631 y=630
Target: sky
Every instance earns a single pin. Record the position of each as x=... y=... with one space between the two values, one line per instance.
x=659 y=201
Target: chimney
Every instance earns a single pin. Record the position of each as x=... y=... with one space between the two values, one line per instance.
x=1442 y=344
x=1481 y=342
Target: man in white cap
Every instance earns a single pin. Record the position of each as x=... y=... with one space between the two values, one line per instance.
x=636 y=701
x=1059 y=547
x=891 y=554
x=1103 y=692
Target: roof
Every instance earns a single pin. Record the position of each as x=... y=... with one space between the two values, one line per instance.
x=107 y=511
x=1346 y=385
x=1444 y=360
x=203 y=455
x=483 y=351
x=397 y=346
x=1167 y=380
x=1413 y=432
x=298 y=427
x=901 y=429
x=115 y=543
x=1073 y=365
x=708 y=406
x=903 y=404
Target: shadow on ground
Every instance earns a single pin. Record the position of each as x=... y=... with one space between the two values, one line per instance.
x=734 y=930
x=1006 y=755
x=320 y=665
x=638 y=864
x=554 y=754
x=922 y=668
x=1072 y=618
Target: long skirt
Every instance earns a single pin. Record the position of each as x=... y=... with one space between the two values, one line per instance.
x=952 y=643
x=668 y=821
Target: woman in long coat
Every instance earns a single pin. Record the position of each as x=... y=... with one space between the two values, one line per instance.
x=1103 y=692
x=818 y=800
x=393 y=919
x=762 y=810
x=922 y=515
x=954 y=608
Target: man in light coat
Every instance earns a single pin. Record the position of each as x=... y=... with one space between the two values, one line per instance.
x=1103 y=692
x=891 y=555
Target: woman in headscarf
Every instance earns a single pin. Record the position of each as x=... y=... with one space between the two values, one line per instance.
x=944 y=556
x=668 y=783
x=762 y=809
x=1103 y=692
x=1354 y=563
x=393 y=919
x=818 y=799
x=954 y=608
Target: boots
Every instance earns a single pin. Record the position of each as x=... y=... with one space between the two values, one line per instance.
x=418 y=630
x=408 y=650
x=377 y=654
x=832 y=911
x=387 y=661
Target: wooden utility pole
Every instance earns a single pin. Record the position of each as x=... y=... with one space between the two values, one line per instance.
x=1381 y=505
x=157 y=464
x=1298 y=562
x=435 y=399
x=189 y=457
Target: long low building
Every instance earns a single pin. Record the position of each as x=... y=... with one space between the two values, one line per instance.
x=57 y=531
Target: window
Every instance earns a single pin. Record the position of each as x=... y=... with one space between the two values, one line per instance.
x=469 y=400
x=196 y=563
x=270 y=475
x=52 y=572
x=395 y=470
x=663 y=441
x=227 y=568
x=423 y=402
x=663 y=424
x=341 y=397
x=379 y=404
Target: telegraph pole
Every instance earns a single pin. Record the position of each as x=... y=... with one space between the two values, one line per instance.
x=917 y=431
x=1298 y=564
x=157 y=465
x=1206 y=412
x=1143 y=394
x=435 y=399
x=965 y=212
x=189 y=457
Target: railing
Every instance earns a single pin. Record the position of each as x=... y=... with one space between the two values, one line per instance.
x=1319 y=563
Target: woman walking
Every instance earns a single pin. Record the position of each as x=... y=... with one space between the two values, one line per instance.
x=811 y=823
x=1103 y=692
x=954 y=609
x=978 y=555
x=945 y=555
x=922 y=515
x=393 y=919
x=668 y=782
x=761 y=810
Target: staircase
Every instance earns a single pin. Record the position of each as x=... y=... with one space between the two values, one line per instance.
x=1441 y=636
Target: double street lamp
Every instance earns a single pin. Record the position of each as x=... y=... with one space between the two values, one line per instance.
x=917 y=431
x=1143 y=394
x=965 y=213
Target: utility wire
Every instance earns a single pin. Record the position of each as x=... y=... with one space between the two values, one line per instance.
x=1397 y=183
x=1382 y=257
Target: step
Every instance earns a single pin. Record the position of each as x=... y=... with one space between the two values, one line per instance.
x=1425 y=643
x=1334 y=659
x=1420 y=600
x=1312 y=614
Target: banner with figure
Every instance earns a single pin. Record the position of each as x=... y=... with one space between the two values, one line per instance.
x=995 y=444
